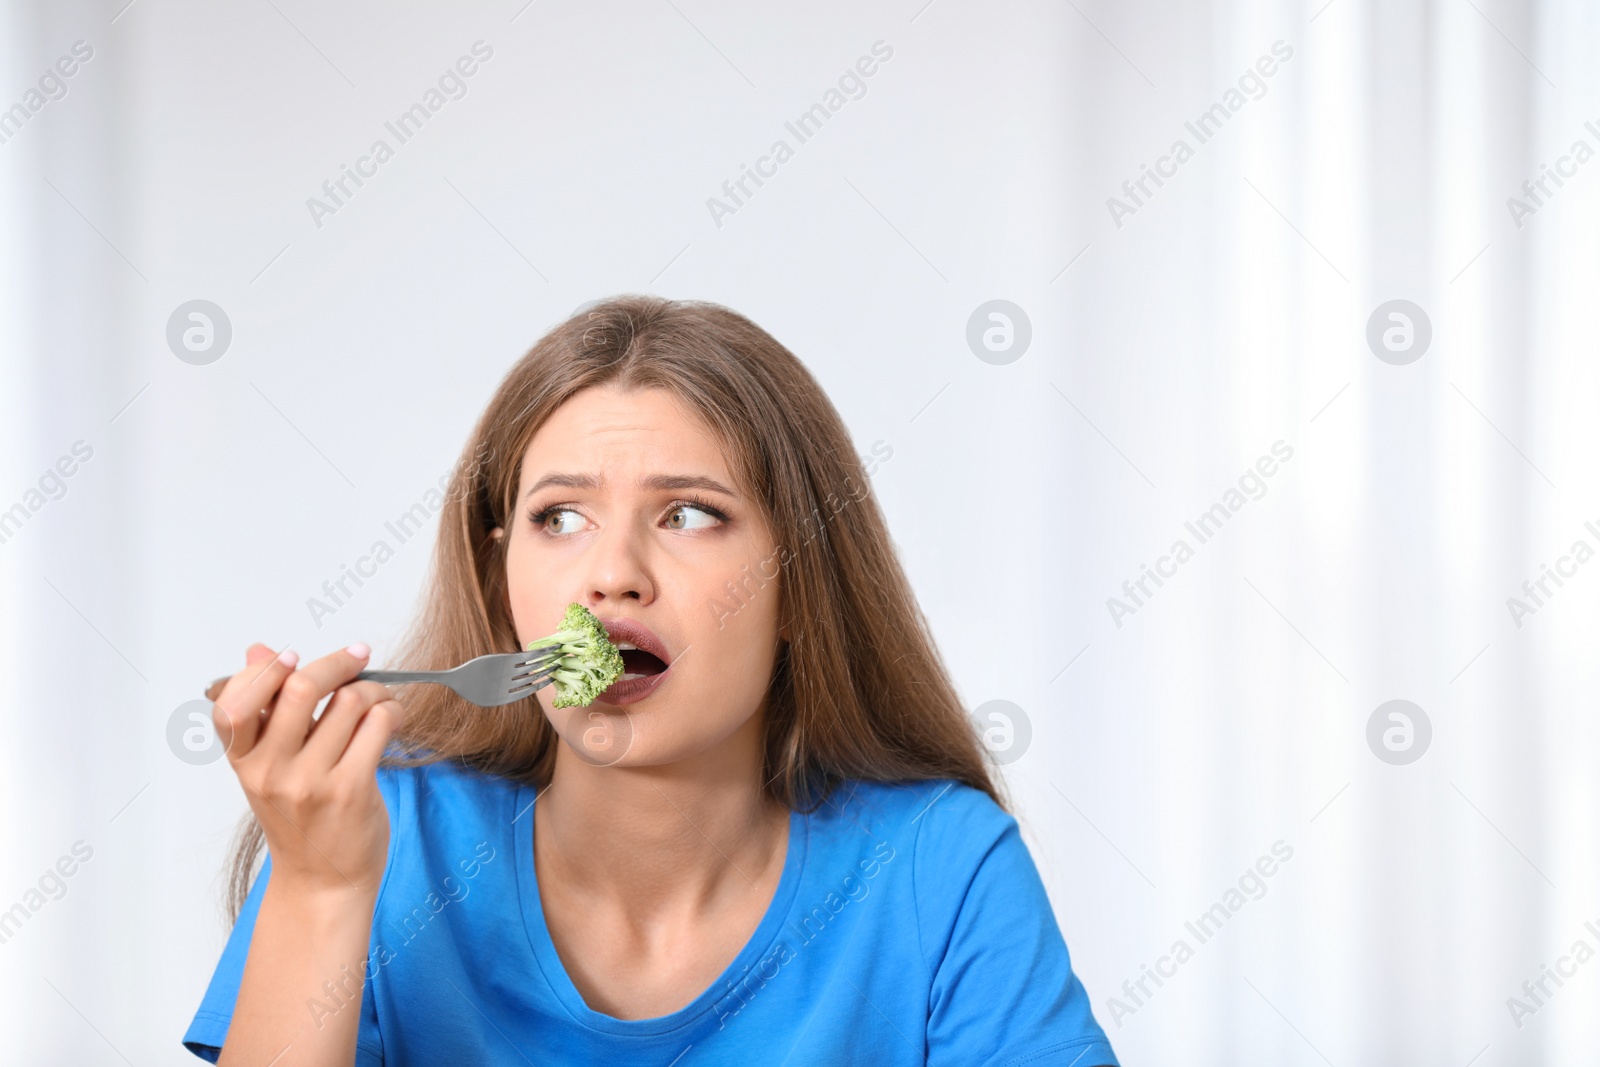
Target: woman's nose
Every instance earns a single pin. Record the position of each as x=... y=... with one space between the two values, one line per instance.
x=619 y=570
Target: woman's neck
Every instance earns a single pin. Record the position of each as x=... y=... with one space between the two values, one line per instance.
x=666 y=840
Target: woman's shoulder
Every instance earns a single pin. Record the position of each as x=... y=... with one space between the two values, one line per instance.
x=951 y=845
x=445 y=817
x=938 y=817
x=425 y=792
x=914 y=799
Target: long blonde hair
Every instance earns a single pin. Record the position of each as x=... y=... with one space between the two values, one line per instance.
x=858 y=691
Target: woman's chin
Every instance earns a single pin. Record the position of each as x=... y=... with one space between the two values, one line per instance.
x=600 y=735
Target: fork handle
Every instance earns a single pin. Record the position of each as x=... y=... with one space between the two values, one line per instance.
x=404 y=676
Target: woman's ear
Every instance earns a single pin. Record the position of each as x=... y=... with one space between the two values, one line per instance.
x=497 y=533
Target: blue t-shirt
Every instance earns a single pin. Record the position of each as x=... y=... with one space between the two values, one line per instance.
x=909 y=926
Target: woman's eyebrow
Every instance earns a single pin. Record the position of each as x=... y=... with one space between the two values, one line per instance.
x=670 y=482
x=566 y=481
x=660 y=482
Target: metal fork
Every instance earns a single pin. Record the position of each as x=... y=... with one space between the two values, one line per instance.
x=488 y=681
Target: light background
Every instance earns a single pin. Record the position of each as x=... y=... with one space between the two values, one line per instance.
x=1168 y=353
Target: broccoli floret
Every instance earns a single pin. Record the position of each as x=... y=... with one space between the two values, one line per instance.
x=589 y=661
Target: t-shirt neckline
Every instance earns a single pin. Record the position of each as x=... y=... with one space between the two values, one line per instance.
x=555 y=972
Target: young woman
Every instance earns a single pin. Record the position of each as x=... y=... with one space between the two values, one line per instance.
x=774 y=840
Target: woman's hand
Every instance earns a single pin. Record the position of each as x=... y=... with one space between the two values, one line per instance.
x=313 y=786
x=312 y=783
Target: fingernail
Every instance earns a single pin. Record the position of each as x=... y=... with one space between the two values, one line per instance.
x=289 y=657
x=359 y=650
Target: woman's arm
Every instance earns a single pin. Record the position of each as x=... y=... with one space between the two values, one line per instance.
x=312 y=784
x=300 y=996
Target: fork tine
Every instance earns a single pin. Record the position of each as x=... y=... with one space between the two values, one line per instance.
x=536 y=678
x=522 y=671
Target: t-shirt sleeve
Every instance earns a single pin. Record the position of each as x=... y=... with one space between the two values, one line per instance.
x=209 y=1027
x=1003 y=992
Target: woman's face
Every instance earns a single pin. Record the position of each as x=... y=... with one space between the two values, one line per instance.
x=627 y=506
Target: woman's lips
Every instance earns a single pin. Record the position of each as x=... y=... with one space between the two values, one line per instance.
x=620 y=692
x=633 y=632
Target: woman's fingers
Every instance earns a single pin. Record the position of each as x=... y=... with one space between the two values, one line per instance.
x=236 y=713
x=285 y=732
x=338 y=721
x=360 y=759
x=325 y=821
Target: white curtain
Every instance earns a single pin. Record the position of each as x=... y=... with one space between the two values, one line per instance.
x=1207 y=759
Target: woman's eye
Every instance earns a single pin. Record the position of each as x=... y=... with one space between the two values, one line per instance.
x=677 y=520
x=558 y=516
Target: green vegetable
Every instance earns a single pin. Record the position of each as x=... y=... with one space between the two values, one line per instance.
x=589 y=661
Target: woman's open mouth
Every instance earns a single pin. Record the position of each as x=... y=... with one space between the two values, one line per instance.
x=644 y=666
x=637 y=663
